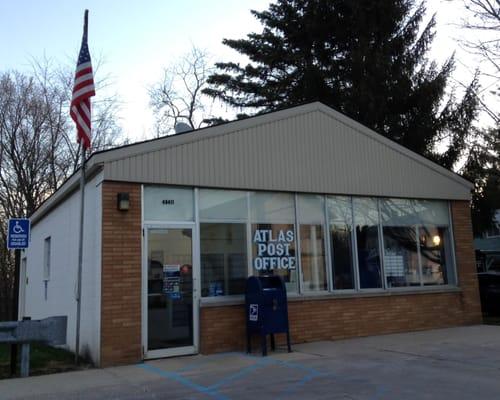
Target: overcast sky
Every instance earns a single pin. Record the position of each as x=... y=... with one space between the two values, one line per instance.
x=137 y=40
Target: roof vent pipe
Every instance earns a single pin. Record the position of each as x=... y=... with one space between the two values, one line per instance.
x=181 y=127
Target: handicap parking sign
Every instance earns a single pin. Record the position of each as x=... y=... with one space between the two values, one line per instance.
x=18 y=235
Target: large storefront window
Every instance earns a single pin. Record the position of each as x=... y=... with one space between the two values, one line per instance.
x=366 y=222
x=340 y=222
x=223 y=244
x=273 y=236
x=371 y=243
x=417 y=246
x=311 y=215
x=223 y=257
x=433 y=254
x=399 y=219
x=435 y=243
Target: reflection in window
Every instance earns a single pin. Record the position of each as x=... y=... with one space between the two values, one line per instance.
x=400 y=256
x=343 y=271
x=433 y=242
x=222 y=205
x=312 y=257
x=223 y=259
x=340 y=217
x=399 y=218
x=366 y=220
x=311 y=215
x=272 y=207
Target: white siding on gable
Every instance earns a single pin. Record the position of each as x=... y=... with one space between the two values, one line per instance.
x=313 y=151
x=61 y=225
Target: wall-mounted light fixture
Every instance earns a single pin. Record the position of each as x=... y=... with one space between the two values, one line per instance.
x=123 y=201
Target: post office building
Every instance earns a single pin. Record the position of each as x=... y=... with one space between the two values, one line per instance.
x=369 y=238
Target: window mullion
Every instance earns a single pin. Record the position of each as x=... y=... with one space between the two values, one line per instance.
x=354 y=247
x=249 y=237
x=298 y=252
x=419 y=256
x=328 y=249
x=381 y=247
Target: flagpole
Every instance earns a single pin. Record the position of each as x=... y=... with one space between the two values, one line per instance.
x=80 y=112
x=80 y=255
x=80 y=243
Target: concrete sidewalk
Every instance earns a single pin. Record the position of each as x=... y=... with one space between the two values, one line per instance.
x=456 y=363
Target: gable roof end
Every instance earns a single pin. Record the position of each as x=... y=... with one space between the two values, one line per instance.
x=325 y=151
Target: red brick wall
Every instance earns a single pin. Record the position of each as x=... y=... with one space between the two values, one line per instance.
x=121 y=276
x=466 y=261
x=223 y=328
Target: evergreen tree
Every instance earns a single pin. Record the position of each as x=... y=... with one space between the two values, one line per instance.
x=483 y=167
x=365 y=58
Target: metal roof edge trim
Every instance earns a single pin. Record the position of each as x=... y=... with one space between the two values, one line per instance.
x=66 y=189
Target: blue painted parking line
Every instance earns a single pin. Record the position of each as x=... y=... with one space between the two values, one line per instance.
x=380 y=390
x=212 y=390
x=295 y=386
x=184 y=381
x=296 y=365
x=241 y=373
x=206 y=360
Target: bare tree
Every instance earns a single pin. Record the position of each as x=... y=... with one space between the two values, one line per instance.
x=483 y=18
x=178 y=97
x=57 y=85
x=25 y=161
x=6 y=275
x=27 y=141
x=38 y=149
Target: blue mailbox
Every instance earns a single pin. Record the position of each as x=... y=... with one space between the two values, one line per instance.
x=266 y=310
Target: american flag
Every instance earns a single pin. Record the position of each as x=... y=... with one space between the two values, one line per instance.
x=80 y=109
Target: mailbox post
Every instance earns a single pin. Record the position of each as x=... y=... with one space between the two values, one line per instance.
x=266 y=310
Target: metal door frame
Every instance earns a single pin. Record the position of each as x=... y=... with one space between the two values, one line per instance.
x=174 y=351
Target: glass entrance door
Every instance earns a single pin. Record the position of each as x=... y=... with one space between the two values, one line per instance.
x=170 y=295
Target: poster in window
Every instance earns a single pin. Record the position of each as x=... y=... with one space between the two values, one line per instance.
x=171 y=281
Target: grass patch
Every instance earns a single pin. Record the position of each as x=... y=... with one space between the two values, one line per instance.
x=43 y=360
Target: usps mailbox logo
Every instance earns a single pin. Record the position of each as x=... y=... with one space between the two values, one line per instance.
x=254 y=312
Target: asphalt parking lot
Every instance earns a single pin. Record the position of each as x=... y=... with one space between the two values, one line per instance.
x=456 y=363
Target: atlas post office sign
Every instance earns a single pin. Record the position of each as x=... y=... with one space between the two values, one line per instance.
x=274 y=249
x=18 y=234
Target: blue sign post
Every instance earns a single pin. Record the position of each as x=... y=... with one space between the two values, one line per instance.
x=18 y=235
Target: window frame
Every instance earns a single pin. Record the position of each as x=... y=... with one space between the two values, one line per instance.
x=323 y=225
x=383 y=286
x=354 y=255
x=329 y=253
x=234 y=222
x=452 y=260
x=47 y=257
